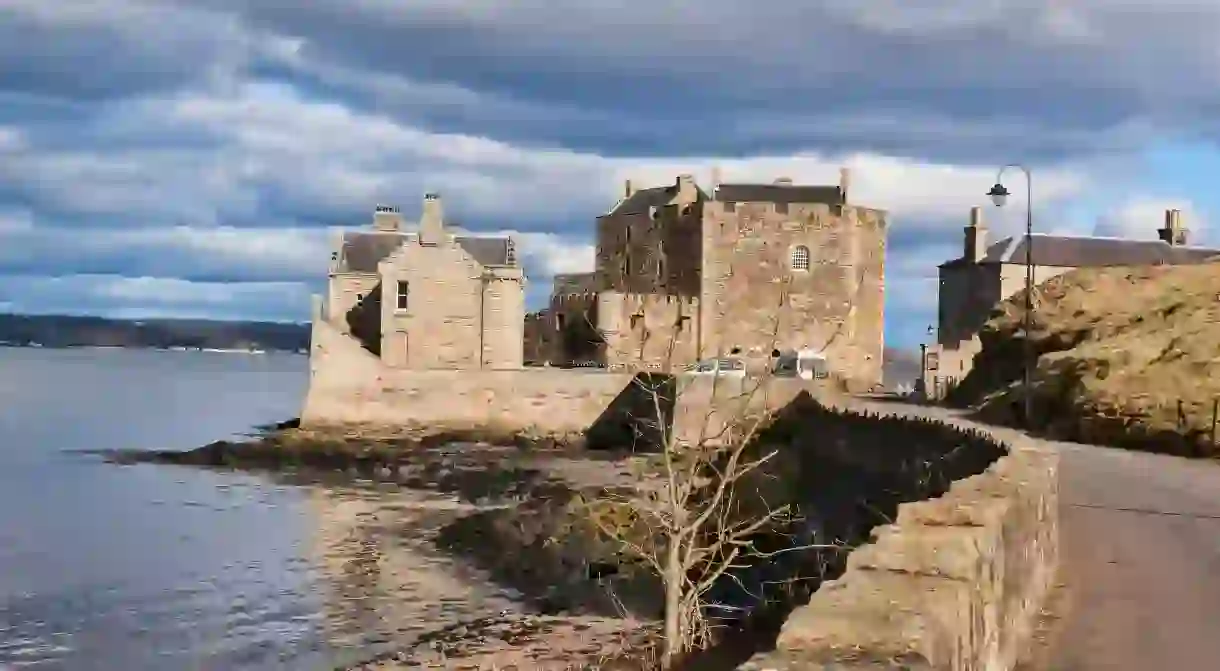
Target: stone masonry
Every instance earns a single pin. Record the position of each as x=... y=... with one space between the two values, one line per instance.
x=955 y=583
x=428 y=298
x=683 y=274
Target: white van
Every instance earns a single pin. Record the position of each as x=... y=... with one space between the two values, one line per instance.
x=806 y=364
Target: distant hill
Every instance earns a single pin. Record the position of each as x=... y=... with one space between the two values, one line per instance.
x=73 y=331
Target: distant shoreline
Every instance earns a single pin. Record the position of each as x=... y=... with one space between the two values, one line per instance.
x=179 y=348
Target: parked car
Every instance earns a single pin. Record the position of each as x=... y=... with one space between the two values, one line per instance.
x=805 y=363
x=725 y=367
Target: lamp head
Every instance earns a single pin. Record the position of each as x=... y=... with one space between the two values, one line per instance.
x=998 y=194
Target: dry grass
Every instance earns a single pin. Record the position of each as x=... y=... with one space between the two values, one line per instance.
x=1119 y=349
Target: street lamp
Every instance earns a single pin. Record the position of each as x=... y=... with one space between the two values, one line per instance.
x=999 y=196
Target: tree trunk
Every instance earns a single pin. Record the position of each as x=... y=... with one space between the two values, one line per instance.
x=674 y=579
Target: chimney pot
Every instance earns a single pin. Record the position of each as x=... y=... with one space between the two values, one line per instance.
x=628 y=188
x=386 y=218
x=716 y=177
x=976 y=217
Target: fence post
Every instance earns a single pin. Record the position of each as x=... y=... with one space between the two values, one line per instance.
x=1215 y=412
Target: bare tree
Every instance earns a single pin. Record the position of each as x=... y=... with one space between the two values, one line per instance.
x=696 y=515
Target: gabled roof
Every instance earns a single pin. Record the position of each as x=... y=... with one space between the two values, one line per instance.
x=488 y=251
x=657 y=196
x=779 y=193
x=1090 y=252
x=363 y=250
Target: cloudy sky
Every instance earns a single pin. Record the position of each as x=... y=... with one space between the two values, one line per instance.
x=190 y=157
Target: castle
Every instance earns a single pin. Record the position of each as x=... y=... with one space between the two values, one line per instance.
x=681 y=274
x=684 y=274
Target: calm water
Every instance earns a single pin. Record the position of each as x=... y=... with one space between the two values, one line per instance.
x=150 y=567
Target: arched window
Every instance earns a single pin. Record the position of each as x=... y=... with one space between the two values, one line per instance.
x=800 y=257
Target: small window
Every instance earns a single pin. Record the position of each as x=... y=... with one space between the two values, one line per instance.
x=404 y=292
x=781 y=208
x=627 y=234
x=560 y=321
x=730 y=206
x=661 y=268
x=626 y=264
x=800 y=257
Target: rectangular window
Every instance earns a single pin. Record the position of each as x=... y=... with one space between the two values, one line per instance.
x=730 y=206
x=781 y=208
x=560 y=321
x=404 y=292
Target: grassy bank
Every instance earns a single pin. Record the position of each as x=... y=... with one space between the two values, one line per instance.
x=1126 y=357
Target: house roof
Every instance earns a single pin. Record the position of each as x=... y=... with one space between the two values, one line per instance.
x=363 y=250
x=488 y=251
x=642 y=199
x=780 y=193
x=1090 y=252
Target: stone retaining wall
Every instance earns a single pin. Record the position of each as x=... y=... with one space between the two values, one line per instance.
x=955 y=583
x=349 y=386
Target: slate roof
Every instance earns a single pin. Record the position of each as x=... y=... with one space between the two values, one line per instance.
x=487 y=251
x=363 y=250
x=657 y=196
x=780 y=193
x=1091 y=252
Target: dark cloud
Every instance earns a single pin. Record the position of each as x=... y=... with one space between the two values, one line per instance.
x=1045 y=79
x=210 y=142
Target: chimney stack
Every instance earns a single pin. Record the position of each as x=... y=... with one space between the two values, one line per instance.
x=628 y=189
x=975 y=240
x=716 y=178
x=687 y=190
x=387 y=219
x=844 y=182
x=1174 y=232
x=432 y=224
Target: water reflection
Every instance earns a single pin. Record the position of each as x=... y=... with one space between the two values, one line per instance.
x=387 y=583
x=159 y=568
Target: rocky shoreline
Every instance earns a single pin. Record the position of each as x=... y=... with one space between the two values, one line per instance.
x=497 y=504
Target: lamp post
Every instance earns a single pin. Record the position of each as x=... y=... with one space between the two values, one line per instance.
x=999 y=196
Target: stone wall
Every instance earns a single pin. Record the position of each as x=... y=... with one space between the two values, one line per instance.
x=751 y=292
x=653 y=250
x=347 y=290
x=954 y=583
x=350 y=386
x=459 y=314
x=648 y=331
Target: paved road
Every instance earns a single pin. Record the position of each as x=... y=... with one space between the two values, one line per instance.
x=1140 y=537
x=1140 y=563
